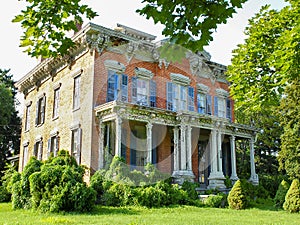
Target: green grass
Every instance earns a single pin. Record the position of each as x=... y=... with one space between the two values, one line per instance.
x=261 y=214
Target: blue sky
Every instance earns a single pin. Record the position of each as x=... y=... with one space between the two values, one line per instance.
x=112 y=12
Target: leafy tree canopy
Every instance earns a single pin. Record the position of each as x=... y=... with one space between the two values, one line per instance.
x=189 y=23
x=268 y=60
x=46 y=23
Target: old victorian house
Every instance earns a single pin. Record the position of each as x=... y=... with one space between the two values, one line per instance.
x=115 y=95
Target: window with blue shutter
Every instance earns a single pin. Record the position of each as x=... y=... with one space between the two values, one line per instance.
x=170 y=96
x=152 y=93
x=216 y=106
x=112 y=86
x=201 y=103
x=124 y=88
x=208 y=104
x=191 y=99
x=228 y=109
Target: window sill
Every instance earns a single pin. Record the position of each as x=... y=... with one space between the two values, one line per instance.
x=39 y=125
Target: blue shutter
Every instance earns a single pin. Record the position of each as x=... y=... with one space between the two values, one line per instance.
x=152 y=93
x=124 y=90
x=170 y=96
x=133 y=89
x=112 y=86
x=228 y=109
x=191 y=99
x=216 y=106
x=208 y=104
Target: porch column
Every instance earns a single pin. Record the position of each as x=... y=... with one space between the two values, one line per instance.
x=149 y=142
x=118 y=136
x=213 y=156
x=254 y=177
x=101 y=144
x=189 y=147
x=234 y=176
x=176 y=149
x=183 y=146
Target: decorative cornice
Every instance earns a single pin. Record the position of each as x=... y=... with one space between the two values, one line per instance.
x=114 y=66
x=222 y=93
x=180 y=79
x=202 y=88
x=143 y=73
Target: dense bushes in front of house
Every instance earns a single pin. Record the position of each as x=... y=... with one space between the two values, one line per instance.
x=54 y=185
x=118 y=186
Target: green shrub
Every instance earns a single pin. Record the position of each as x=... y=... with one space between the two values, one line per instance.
x=190 y=188
x=55 y=185
x=216 y=201
x=281 y=193
x=97 y=183
x=21 y=196
x=237 y=198
x=6 y=180
x=292 y=198
x=118 y=195
x=151 y=196
x=271 y=183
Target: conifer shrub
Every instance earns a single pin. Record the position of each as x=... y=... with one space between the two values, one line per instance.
x=292 y=198
x=21 y=196
x=237 y=198
x=281 y=193
x=54 y=185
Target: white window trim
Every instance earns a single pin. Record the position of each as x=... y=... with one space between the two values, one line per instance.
x=142 y=73
x=114 y=66
x=180 y=79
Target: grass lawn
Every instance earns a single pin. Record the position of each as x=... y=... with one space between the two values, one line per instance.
x=137 y=215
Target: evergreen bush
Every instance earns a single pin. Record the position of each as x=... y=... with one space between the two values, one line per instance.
x=292 y=198
x=281 y=193
x=55 y=185
x=237 y=198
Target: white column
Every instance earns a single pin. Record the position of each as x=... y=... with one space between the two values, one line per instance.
x=149 y=142
x=189 y=147
x=213 y=156
x=176 y=149
x=234 y=176
x=254 y=176
x=219 y=144
x=101 y=145
x=118 y=136
x=183 y=146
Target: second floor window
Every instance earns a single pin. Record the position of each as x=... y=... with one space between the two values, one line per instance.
x=143 y=92
x=56 y=103
x=117 y=87
x=40 y=111
x=222 y=107
x=76 y=93
x=180 y=97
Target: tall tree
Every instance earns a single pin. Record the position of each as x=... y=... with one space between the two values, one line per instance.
x=187 y=22
x=264 y=72
x=10 y=122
